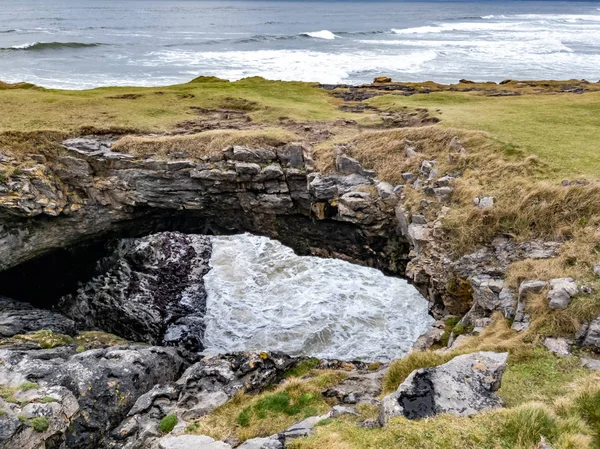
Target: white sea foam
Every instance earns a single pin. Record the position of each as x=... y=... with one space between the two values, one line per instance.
x=323 y=34
x=292 y=65
x=261 y=296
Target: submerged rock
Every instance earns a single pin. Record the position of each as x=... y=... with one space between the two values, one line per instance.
x=464 y=386
x=149 y=290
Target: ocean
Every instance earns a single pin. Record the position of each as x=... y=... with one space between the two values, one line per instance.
x=80 y=44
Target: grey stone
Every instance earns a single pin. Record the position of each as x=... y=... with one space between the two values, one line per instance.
x=303 y=428
x=358 y=388
x=597 y=269
x=485 y=202
x=418 y=219
x=339 y=410
x=246 y=154
x=426 y=167
x=247 y=169
x=561 y=292
x=558 y=346
x=93 y=390
x=346 y=165
x=408 y=177
x=535 y=286
x=18 y=317
x=191 y=442
x=592 y=335
x=464 y=386
x=273 y=442
x=292 y=155
x=593 y=364
x=430 y=338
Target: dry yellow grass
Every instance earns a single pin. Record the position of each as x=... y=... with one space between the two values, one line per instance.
x=207 y=143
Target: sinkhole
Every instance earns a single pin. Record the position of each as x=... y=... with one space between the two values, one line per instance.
x=257 y=296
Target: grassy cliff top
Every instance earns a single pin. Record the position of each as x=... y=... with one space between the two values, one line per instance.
x=548 y=119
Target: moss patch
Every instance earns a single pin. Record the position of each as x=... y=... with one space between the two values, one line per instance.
x=167 y=424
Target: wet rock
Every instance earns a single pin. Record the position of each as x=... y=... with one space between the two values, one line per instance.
x=464 y=386
x=558 y=346
x=18 y=317
x=149 y=290
x=561 y=292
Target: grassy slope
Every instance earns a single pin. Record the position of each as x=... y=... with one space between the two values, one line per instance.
x=158 y=109
x=561 y=129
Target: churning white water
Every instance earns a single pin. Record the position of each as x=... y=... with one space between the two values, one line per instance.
x=261 y=296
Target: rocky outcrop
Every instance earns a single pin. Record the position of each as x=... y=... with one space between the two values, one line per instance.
x=78 y=397
x=17 y=317
x=147 y=290
x=464 y=386
x=202 y=388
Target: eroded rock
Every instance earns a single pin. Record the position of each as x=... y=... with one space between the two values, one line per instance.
x=561 y=292
x=149 y=290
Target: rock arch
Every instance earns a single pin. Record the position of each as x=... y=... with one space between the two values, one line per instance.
x=56 y=214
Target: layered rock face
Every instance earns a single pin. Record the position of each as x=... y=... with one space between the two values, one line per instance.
x=148 y=290
x=91 y=193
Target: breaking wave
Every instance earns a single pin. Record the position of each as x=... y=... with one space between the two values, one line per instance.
x=323 y=34
x=38 y=46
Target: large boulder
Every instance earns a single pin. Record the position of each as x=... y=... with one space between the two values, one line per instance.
x=148 y=290
x=464 y=386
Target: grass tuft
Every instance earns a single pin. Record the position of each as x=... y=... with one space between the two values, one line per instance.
x=167 y=424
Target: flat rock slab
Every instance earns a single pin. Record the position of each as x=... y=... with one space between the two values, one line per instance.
x=464 y=386
x=191 y=442
x=273 y=442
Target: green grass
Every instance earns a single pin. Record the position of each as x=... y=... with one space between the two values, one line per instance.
x=270 y=412
x=29 y=386
x=561 y=129
x=39 y=424
x=157 y=109
x=538 y=375
x=167 y=424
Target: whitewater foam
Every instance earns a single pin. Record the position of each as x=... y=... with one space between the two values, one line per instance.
x=323 y=34
x=292 y=65
x=261 y=296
